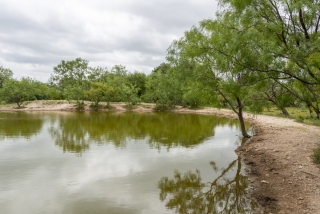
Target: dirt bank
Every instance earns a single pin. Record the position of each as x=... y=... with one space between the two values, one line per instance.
x=279 y=165
x=280 y=168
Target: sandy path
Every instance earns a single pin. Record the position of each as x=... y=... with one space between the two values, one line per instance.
x=278 y=158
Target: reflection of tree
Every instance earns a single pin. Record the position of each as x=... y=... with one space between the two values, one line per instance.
x=75 y=131
x=70 y=135
x=172 y=130
x=188 y=194
x=20 y=124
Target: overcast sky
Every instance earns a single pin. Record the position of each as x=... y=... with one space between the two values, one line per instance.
x=35 y=35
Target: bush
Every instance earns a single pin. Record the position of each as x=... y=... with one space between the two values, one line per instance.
x=316 y=155
x=80 y=106
x=95 y=106
x=162 y=107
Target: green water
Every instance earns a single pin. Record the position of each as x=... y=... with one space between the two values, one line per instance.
x=61 y=162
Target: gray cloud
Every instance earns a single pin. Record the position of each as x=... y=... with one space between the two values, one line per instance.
x=36 y=35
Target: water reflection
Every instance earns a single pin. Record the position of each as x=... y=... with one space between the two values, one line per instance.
x=186 y=193
x=120 y=169
x=74 y=132
x=70 y=134
x=19 y=124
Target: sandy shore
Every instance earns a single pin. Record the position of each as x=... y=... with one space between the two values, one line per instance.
x=278 y=157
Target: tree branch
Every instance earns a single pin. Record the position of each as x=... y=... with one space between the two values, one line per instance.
x=306 y=34
x=227 y=100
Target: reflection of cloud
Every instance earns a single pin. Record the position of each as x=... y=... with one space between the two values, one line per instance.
x=106 y=164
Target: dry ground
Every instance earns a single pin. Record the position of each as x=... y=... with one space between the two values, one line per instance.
x=278 y=157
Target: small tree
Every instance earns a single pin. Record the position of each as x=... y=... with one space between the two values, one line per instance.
x=71 y=77
x=18 y=91
x=97 y=93
x=163 y=89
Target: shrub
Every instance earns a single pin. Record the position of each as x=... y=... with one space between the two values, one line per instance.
x=162 y=107
x=80 y=106
x=95 y=106
x=300 y=119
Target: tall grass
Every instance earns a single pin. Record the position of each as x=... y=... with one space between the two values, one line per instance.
x=316 y=155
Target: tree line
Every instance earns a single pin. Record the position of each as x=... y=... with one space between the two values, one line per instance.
x=254 y=54
x=76 y=80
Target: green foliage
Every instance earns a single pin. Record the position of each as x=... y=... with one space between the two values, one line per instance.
x=18 y=91
x=54 y=93
x=75 y=92
x=138 y=81
x=115 y=82
x=299 y=119
x=162 y=68
x=5 y=74
x=192 y=99
x=80 y=105
x=70 y=73
x=163 y=89
x=130 y=94
x=95 y=106
x=316 y=155
x=215 y=58
x=284 y=32
x=162 y=107
x=97 y=74
x=195 y=97
x=97 y=93
x=71 y=77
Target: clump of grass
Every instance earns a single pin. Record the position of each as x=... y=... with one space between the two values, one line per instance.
x=316 y=155
x=299 y=118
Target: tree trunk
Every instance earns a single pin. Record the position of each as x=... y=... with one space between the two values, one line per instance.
x=238 y=112
x=310 y=111
x=18 y=102
x=241 y=120
x=285 y=112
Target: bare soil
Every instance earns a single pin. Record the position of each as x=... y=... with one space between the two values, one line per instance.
x=278 y=157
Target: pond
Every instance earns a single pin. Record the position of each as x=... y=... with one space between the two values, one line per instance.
x=100 y=162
